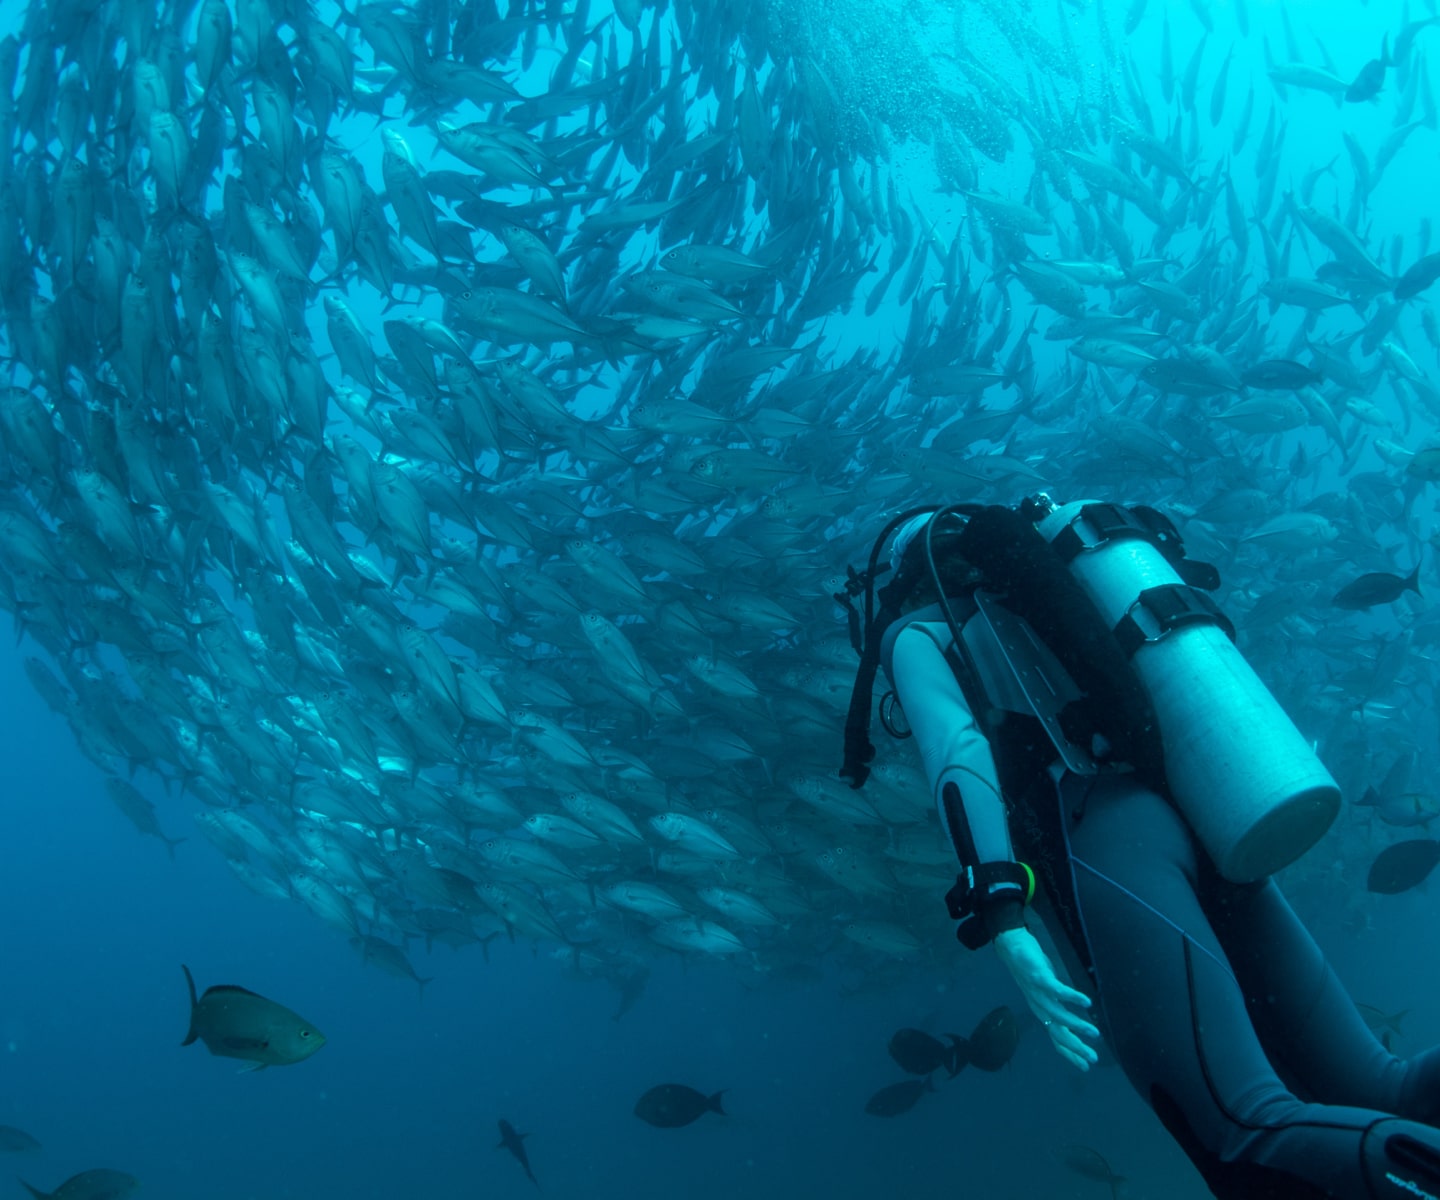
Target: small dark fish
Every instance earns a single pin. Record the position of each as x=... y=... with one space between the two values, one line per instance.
x=1371 y=79
x=1384 y=1025
x=898 y=1097
x=1400 y=867
x=631 y=986
x=672 y=1105
x=993 y=1043
x=1091 y=1164
x=1280 y=375
x=1379 y=587
x=918 y=1053
x=1404 y=810
x=515 y=1143
x=16 y=1141
x=236 y=1023
x=99 y=1184
x=1418 y=277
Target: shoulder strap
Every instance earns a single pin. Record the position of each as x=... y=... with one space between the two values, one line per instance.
x=866 y=640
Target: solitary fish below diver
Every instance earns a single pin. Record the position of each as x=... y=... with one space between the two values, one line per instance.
x=898 y=1098
x=1091 y=1164
x=514 y=1141
x=671 y=1105
x=236 y=1023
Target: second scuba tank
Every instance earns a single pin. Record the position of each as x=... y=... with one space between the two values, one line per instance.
x=1242 y=775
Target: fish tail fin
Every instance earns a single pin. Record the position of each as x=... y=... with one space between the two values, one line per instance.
x=712 y=1103
x=1412 y=581
x=956 y=1058
x=170 y=844
x=423 y=982
x=34 y=1191
x=191 y=1034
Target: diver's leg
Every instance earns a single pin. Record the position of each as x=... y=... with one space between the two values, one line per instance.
x=1176 y=1018
x=1306 y=1019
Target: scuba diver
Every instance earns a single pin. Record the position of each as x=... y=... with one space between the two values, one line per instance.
x=1099 y=750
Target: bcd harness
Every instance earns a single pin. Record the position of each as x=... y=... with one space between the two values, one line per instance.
x=1026 y=616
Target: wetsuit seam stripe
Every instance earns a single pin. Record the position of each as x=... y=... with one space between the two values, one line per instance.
x=1225 y=1110
x=1188 y=938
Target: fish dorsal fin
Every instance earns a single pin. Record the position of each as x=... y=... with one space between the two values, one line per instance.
x=232 y=989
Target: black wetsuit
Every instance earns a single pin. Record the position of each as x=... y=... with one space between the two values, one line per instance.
x=1216 y=1001
x=1225 y=1015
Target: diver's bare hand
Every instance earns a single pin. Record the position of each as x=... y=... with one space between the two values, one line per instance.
x=1055 y=1004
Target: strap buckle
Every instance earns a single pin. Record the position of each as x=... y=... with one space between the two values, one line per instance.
x=1159 y=610
x=1109 y=522
x=975 y=887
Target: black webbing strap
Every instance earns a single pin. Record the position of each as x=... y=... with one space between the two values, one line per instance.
x=859 y=749
x=1109 y=521
x=1158 y=610
x=866 y=636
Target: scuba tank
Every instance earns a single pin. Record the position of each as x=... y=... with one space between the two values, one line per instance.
x=1239 y=771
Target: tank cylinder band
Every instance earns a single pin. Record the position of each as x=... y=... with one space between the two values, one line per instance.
x=1098 y=523
x=1158 y=610
x=1104 y=523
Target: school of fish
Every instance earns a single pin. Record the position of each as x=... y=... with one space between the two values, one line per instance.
x=434 y=435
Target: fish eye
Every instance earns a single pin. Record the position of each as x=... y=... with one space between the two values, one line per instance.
x=304 y=1033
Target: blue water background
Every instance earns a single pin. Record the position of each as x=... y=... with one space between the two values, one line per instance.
x=402 y=1102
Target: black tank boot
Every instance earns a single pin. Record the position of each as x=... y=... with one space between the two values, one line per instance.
x=1402 y=1160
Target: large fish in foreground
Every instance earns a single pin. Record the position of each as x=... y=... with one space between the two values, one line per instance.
x=236 y=1023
